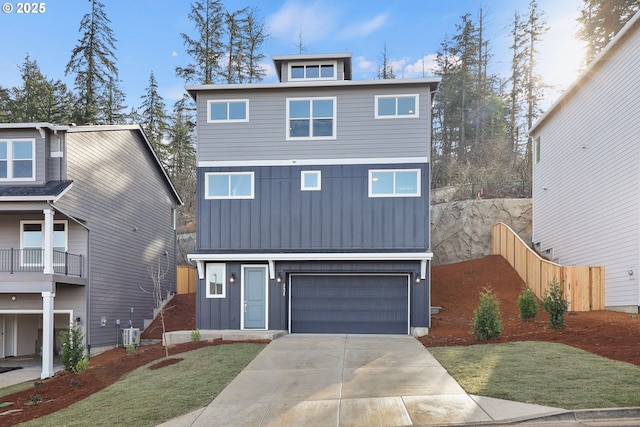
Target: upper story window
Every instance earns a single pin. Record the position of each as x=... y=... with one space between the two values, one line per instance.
x=311 y=118
x=392 y=106
x=228 y=185
x=310 y=180
x=394 y=183
x=32 y=241
x=228 y=110
x=316 y=71
x=17 y=159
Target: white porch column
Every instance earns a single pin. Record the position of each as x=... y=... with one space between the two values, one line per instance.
x=48 y=241
x=47 y=334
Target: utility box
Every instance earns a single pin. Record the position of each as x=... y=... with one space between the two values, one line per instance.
x=131 y=336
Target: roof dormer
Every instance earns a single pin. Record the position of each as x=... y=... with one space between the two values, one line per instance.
x=321 y=67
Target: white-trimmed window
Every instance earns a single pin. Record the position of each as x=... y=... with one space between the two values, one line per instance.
x=216 y=283
x=315 y=71
x=227 y=110
x=311 y=118
x=32 y=241
x=17 y=160
x=394 y=183
x=310 y=180
x=394 y=106
x=229 y=185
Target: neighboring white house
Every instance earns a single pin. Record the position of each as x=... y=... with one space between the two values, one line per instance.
x=586 y=173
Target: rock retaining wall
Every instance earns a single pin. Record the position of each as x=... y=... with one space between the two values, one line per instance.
x=461 y=231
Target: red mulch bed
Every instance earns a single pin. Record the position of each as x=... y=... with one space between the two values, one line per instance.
x=455 y=288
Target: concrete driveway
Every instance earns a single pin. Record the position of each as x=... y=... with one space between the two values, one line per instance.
x=348 y=380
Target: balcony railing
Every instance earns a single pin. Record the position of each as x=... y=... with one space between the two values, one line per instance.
x=31 y=261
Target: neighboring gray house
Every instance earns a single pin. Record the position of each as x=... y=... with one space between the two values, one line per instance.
x=84 y=212
x=313 y=201
x=586 y=174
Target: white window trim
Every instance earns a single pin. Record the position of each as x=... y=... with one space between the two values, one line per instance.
x=10 y=159
x=306 y=64
x=41 y=222
x=418 y=186
x=313 y=138
x=398 y=116
x=227 y=101
x=224 y=281
x=229 y=197
x=317 y=187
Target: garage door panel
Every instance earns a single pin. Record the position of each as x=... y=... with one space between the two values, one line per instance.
x=349 y=304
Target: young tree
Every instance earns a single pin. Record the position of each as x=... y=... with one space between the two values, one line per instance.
x=154 y=119
x=601 y=20
x=94 y=64
x=207 y=50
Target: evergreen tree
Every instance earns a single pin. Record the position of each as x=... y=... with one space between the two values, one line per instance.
x=516 y=82
x=113 y=112
x=39 y=99
x=255 y=34
x=94 y=64
x=181 y=159
x=154 y=119
x=385 y=70
x=5 y=102
x=234 y=45
x=207 y=50
x=601 y=20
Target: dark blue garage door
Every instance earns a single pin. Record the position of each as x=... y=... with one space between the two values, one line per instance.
x=340 y=304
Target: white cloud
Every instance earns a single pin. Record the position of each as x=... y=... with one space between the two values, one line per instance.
x=423 y=67
x=364 y=29
x=364 y=64
x=314 y=20
x=174 y=53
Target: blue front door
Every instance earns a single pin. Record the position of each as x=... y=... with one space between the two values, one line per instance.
x=255 y=297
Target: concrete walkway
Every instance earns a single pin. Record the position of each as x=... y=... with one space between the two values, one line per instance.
x=349 y=380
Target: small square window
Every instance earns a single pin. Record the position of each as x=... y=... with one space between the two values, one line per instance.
x=310 y=180
x=311 y=118
x=215 y=281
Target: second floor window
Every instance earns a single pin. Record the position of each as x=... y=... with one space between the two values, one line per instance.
x=311 y=118
x=396 y=106
x=228 y=185
x=17 y=161
x=236 y=110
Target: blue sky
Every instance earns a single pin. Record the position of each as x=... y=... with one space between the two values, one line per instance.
x=148 y=34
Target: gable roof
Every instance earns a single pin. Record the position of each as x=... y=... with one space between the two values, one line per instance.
x=591 y=70
x=137 y=129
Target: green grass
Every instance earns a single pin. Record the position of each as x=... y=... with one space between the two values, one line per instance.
x=542 y=373
x=149 y=397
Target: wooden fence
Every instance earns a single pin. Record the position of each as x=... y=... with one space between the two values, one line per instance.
x=185 y=280
x=583 y=286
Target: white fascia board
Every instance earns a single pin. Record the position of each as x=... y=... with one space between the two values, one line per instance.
x=375 y=256
x=312 y=162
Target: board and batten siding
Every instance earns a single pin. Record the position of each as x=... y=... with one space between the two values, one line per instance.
x=121 y=196
x=341 y=216
x=587 y=182
x=359 y=134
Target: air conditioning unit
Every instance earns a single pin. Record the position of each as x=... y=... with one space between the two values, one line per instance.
x=131 y=336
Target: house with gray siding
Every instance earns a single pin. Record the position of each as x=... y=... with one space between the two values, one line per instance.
x=84 y=212
x=586 y=172
x=313 y=201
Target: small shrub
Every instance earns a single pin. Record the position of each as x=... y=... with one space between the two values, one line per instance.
x=131 y=349
x=81 y=366
x=195 y=335
x=556 y=305
x=487 y=323
x=72 y=348
x=527 y=305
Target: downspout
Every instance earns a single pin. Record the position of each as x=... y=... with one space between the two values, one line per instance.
x=87 y=332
